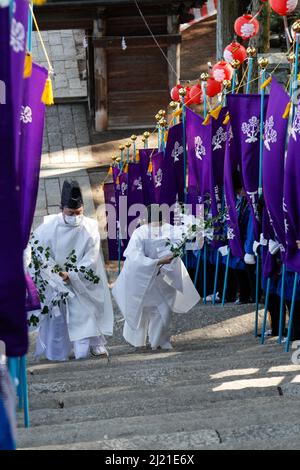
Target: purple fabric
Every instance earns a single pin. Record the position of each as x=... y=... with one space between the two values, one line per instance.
x=32 y=296
x=230 y=166
x=147 y=179
x=135 y=184
x=218 y=142
x=13 y=321
x=159 y=177
x=245 y=120
x=31 y=142
x=110 y=199
x=269 y=261
x=291 y=205
x=199 y=156
x=174 y=164
x=19 y=26
x=273 y=158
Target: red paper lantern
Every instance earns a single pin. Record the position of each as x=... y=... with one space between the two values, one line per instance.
x=222 y=71
x=187 y=96
x=175 y=92
x=213 y=87
x=283 y=7
x=246 y=26
x=235 y=51
x=196 y=94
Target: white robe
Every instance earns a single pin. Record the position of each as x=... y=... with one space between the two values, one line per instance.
x=88 y=312
x=145 y=289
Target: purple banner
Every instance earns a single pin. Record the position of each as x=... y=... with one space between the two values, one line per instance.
x=13 y=321
x=231 y=166
x=245 y=120
x=110 y=199
x=159 y=177
x=31 y=142
x=147 y=179
x=199 y=156
x=174 y=164
x=274 y=157
x=291 y=203
x=18 y=37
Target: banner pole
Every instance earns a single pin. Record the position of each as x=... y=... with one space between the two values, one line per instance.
x=262 y=339
x=288 y=339
x=282 y=302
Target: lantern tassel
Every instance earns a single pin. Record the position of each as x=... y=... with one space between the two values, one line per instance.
x=137 y=157
x=215 y=112
x=287 y=110
x=126 y=168
x=166 y=136
x=266 y=83
x=47 y=96
x=27 y=65
x=178 y=112
x=227 y=119
x=150 y=168
x=206 y=120
x=110 y=171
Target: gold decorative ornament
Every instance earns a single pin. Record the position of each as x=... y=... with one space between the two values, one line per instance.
x=227 y=84
x=235 y=64
x=182 y=92
x=128 y=145
x=133 y=137
x=121 y=147
x=251 y=51
x=263 y=62
x=296 y=27
x=146 y=135
x=173 y=105
x=204 y=76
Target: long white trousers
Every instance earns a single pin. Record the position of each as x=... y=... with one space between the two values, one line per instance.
x=155 y=324
x=53 y=341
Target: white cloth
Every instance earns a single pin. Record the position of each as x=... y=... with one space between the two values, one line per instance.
x=224 y=250
x=88 y=312
x=274 y=247
x=249 y=259
x=142 y=283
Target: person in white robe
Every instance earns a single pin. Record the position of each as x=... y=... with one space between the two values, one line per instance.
x=78 y=324
x=152 y=285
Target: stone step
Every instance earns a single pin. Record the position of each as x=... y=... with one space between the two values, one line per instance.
x=256 y=415
x=82 y=406
x=83 y=387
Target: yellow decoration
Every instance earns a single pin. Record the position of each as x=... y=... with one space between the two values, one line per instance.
x=150 y=167
x=215 y=112
x=137 y=156
x=110 y=171
x=287 y=110
x=166 y=136
x=266 y=83
x=177 y=113
x=227 y=119
x=206 y=120
x=126 y=168
x=27 y=65
x=39 y=2
x=47 y=96
x=118 y=180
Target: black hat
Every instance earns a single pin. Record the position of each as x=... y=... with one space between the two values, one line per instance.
x=71 y=196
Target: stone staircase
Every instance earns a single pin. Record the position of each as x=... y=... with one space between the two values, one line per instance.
x=218 y=389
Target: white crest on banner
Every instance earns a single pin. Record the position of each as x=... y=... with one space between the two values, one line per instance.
x=26 y=114
x=230 y=234
x=230 y=133
x=124 y=187
x=286 y=226
x=252 y=196
x=177 y=151
x=199 y=148
x=17 y=36
x=158 y=178
x=219 y=138
x=296 y=125
x=251 y=129
x=270 y=135
x=247 y=30
x=138 y=183
x=284 y=207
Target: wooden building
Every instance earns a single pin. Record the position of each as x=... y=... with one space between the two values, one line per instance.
x=129 y=72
